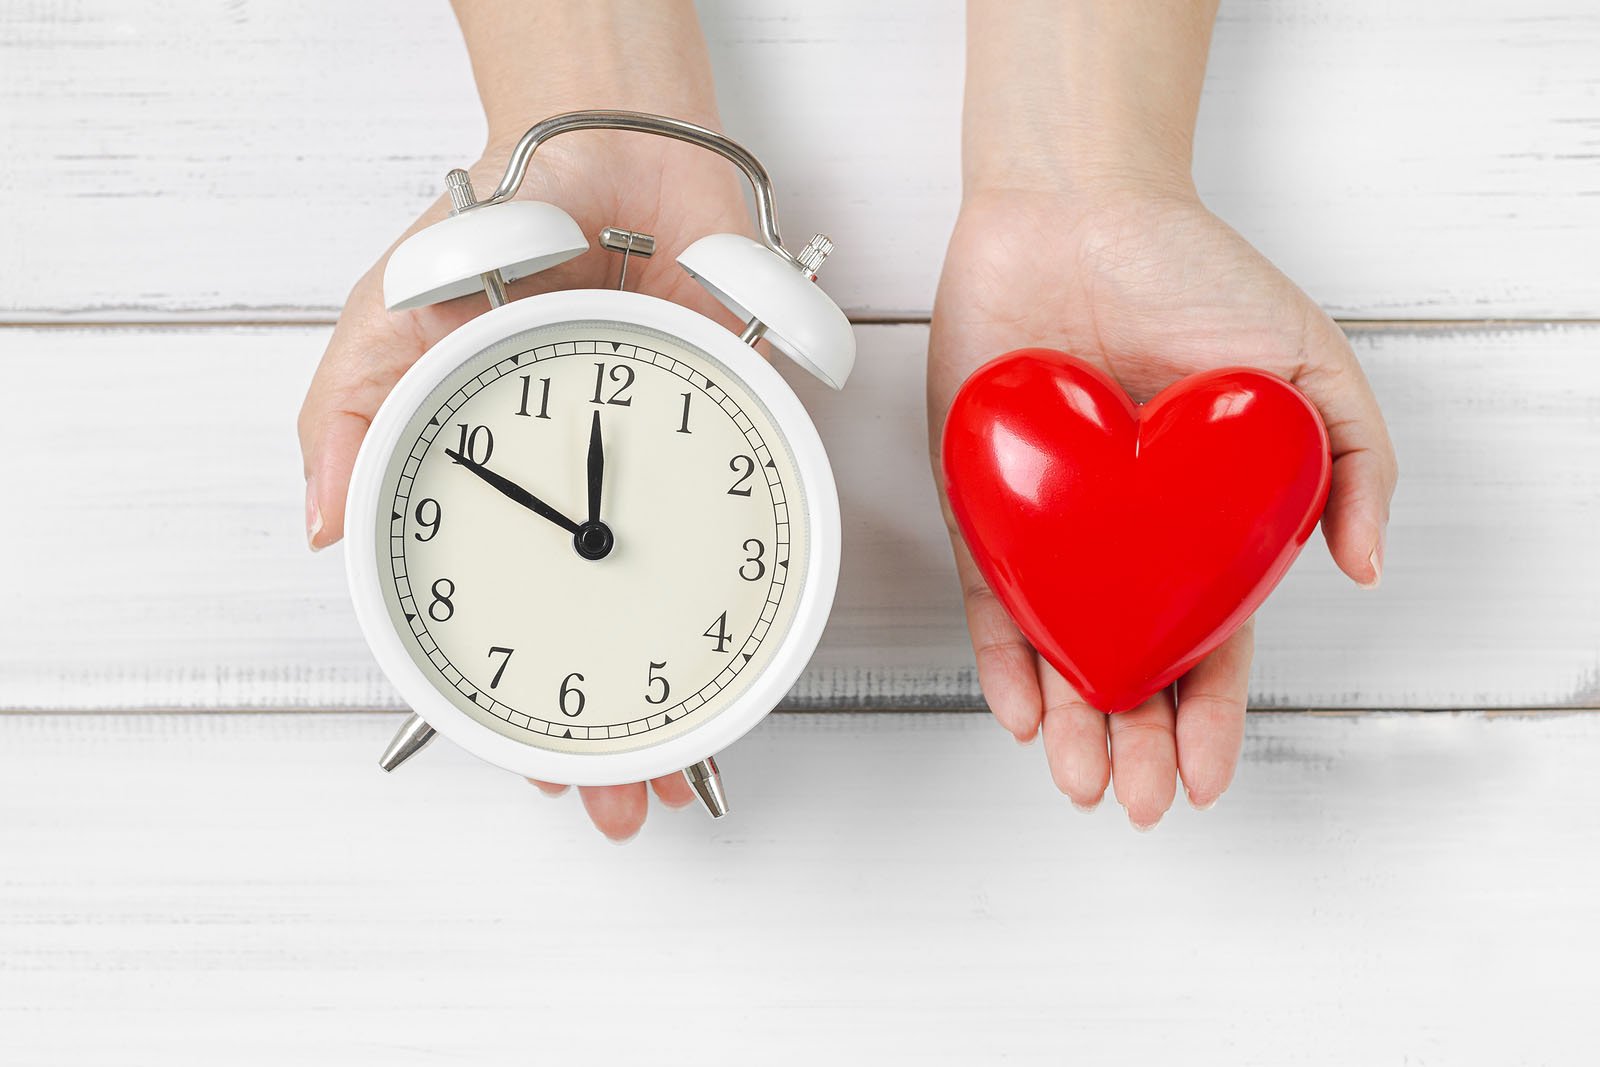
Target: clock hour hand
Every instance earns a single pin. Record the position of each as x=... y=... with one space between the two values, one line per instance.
x=515 y=492
x=597 y=469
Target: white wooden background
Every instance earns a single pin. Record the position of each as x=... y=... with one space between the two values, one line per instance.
x=188 y=191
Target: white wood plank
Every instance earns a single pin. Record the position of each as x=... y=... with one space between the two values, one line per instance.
x=247 y=160
x=1379 y=889
x=154 y=501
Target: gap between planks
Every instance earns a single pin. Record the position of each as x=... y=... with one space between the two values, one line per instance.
x=1535 y=712
x=200 y=322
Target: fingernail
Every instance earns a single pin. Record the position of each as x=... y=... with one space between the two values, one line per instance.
x=1087 y=809
x=1142 y=827
x=1375 y=561
x=622 y=840
x=313 y=515
x=1207 y=806
x=1026 y=741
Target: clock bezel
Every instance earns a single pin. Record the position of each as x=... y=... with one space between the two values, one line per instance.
x=760 y=695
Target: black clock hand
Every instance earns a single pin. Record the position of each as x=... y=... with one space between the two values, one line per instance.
x=515 y=492
x=597 y=469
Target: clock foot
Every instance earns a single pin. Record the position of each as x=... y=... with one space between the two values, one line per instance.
x=707 y=785
x=412 y=737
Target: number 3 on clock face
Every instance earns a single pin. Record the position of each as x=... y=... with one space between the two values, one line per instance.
x=594 y=538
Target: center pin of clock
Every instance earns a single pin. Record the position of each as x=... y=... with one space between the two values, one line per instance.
x=593 y=540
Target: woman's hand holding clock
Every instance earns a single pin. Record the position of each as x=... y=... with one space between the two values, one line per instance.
x=531 y=61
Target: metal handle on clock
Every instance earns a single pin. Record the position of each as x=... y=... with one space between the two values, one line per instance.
x=659 y=126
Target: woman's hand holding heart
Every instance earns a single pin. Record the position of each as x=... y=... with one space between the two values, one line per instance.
x=1096 y=243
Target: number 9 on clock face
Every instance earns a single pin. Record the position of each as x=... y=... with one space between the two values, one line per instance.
x=591 y=537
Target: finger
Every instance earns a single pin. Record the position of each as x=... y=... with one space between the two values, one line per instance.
x=549 y=789
x=1211 y=707
x=1364 y=466
x=1356 y=522
x=673 y=790
x=1006 y=663
x=1144 y=760
x=616 y=810
x=1074 y=741
x=366 y=355
x=329 y=462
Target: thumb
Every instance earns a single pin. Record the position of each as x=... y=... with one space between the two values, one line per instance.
x=330 y=453
x=1364 y=466
x=369 y=351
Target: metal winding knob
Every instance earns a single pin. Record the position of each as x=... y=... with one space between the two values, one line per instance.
x=814 y=254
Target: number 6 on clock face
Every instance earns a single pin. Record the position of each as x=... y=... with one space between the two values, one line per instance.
x=604 y=537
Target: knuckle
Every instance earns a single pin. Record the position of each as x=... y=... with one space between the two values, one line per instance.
x=999 y=649
x=1211 y=705
x=1141 y=730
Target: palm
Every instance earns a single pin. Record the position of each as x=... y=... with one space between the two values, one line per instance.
x=1150 y=291
x=1150 y=288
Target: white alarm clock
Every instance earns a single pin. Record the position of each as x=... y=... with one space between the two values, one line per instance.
x=592 y=536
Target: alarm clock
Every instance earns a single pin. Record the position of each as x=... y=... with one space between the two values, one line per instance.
x=592 y=535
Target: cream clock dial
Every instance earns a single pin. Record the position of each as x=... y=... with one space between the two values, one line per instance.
x=592 y=536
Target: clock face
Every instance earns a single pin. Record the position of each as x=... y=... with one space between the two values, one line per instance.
x=591 y=626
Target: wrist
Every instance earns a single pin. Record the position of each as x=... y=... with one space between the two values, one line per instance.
x=1089 y=212
x=538 y=58
x=1079 y=165
x=1078 y=96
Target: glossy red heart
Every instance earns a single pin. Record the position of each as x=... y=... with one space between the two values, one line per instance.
x=1128 y=542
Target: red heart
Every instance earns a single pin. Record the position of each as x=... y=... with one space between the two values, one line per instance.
x=1128 y=542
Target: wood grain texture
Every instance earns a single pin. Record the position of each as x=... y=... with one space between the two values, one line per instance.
x=1379 y=889
x=248 y=160
x=248 y=889
x=155 y=504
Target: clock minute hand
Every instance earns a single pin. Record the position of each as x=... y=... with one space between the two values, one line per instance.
x=515 y=492
x=597 y=468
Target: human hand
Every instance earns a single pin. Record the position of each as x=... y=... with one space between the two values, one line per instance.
x=671 y=190
x=1148 y=285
